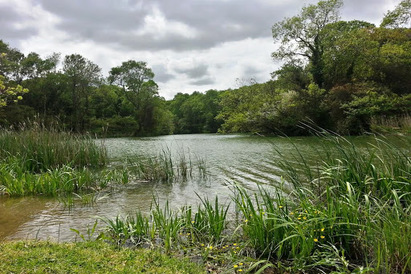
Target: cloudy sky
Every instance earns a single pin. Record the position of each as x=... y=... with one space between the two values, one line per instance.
x=190 y=44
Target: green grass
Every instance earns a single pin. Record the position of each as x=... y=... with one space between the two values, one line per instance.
x=350 y=212
x=46 y=162
x=164 y=167
x=39 y=149
x=87 y=257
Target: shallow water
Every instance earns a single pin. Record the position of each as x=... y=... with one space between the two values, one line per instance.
x=242 y=159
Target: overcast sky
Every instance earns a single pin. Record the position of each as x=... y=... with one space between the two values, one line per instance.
x=191 y=45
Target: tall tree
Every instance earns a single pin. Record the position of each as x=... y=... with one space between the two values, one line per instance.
x=136 y=81
x=301 y=35
x=82 y=75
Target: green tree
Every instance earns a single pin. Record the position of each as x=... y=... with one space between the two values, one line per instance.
x=10 y=63
x=399 y=17
x=136 y=82
x=301 y=35
x=343 y=51
x=82 y=75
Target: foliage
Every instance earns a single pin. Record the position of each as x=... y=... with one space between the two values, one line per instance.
x=135 y=79
x=10 y=93
x=398 y=17
x=48 y=162
x=301 y=35
x=196 y=113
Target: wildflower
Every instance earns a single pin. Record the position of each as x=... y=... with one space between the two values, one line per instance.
x=192 y=222
x=315 y=240
x=246 y=220
x=19 y=98
x=240 y=270
x=234 y=244
x=202 y=244
x=322 y=229
x=305 y=218
x=235 y=266
x=280 y=206
x=291 y=213
x=299 y=218
x=322 y=236
x=240 y=263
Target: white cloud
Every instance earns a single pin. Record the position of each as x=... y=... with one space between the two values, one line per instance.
x=157 y=26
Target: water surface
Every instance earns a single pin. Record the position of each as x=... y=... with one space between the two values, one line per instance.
x=242 y=159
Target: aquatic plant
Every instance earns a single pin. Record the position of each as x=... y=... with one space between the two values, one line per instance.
x=40 y=149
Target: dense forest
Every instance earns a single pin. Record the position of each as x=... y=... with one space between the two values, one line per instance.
x=348 y=77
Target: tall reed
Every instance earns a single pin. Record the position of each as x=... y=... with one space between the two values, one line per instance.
x=41 y=149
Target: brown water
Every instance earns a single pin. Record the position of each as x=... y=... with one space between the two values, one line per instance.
x=229 y=158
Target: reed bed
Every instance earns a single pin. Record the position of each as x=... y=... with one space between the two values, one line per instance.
x=41 y=161
x=40 y=149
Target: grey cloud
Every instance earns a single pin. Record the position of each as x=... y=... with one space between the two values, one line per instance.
x=203 y=82
x=112 y=22
x=195 y=72
x=8 y=20
x=251 y=72
x=161 y=74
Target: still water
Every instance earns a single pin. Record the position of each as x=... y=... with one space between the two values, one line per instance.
x=241 y=159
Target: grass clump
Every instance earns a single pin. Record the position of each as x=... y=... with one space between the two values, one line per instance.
x=87 y=257
x=49 y=162
x=40 y=149
x=165 y=168
x=350 y=212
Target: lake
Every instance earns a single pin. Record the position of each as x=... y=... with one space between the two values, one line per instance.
x=242 y=159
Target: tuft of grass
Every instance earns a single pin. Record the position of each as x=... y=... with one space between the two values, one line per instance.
x=164 y=167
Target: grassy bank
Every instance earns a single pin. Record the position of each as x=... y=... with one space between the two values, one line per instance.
x=87 y=257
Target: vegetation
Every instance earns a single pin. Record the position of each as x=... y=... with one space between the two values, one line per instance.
x=346 y=76
x=49 y=162
x=36 y=160
x=87 y=257
x=348 y=213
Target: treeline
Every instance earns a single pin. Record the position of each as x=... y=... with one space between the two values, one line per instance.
x=348 y=77
x=79 y=99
